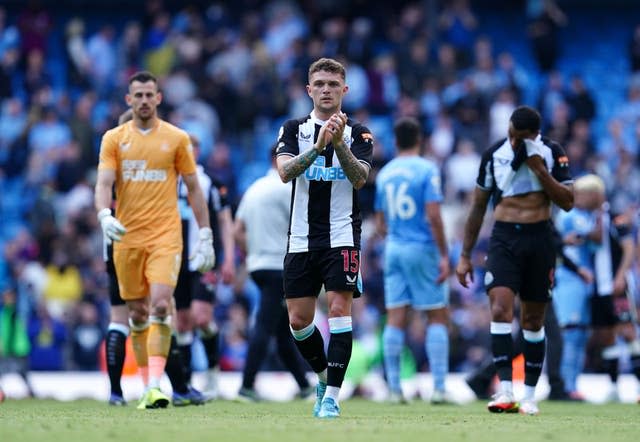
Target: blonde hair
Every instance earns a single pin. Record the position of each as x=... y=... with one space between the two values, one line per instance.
x=590 y=183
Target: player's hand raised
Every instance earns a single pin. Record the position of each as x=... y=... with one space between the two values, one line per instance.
x=324 y=137
x=338 y=122
x=111 y=227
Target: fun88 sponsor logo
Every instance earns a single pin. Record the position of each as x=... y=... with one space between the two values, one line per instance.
x=136 y=170
x=318 y=172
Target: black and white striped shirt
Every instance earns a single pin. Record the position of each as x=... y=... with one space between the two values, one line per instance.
x=609 y=253
x=324 y=204
x=496 y=166
x=215 y=195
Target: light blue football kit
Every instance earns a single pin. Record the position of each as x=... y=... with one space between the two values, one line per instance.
x=571 y=294
x=411 y=257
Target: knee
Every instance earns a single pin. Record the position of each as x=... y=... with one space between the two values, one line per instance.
x=501 y=313
x=533 y=322
x=339 y=309
x=298 y=322
x=139 y=314
x=119 y=315
x=161 y=308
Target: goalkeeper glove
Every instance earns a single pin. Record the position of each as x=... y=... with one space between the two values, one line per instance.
x=204 y=258
x=111 y=227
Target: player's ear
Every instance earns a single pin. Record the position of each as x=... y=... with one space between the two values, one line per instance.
x=159 y=97
x=127 y=99
x=345 y=89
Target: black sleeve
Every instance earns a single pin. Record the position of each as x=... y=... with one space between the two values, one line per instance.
x=219 y=198
x=564 y=259
x=622 y=224
x=362 y=143
x=485 y=179
x=288 y=139
x=560 y=170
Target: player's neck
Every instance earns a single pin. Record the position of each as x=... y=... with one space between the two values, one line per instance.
x=145 y=124
x=409 y=152
x=324 y=116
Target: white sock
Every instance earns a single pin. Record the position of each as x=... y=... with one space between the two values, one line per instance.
x=529 y=392
x=506 y=387
x=333 y=393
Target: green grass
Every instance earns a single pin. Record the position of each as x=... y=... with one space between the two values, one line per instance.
x=90 y=421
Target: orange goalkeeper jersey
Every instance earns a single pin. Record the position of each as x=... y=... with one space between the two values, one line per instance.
x=147 y=165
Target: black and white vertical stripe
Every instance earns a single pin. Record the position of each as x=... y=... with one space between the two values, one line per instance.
x=608 y=255
x=324 y=204
x=497 y=176
x=215 y=200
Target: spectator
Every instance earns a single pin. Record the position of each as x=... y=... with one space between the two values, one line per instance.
x=101 y=53
x=543 y=32
x=64 y=285
x=86 y=337
x=14 y=341
x=78 y=60
x=460 y=170
x=458 y=23
x=47 y=336
x=581 y=103
x=35 y=25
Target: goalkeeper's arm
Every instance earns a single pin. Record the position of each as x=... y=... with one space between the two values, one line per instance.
x=204 y=254
x=104 y=188
x=111 y=227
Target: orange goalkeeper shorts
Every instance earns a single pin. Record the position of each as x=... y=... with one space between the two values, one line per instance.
x=137 y=268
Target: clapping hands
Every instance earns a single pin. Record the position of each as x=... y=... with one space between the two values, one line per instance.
x=331 y=131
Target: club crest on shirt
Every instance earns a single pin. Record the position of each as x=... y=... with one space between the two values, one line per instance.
x=563 y=161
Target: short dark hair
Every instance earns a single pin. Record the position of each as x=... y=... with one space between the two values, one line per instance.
x=526 y=118
x=408 y=133
x=328 y=65
x=143 y=77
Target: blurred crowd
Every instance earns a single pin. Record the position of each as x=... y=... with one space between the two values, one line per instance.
x=231 y=73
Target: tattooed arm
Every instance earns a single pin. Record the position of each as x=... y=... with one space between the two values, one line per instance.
x=352 y=167
x=289 y=168
x=356 y=171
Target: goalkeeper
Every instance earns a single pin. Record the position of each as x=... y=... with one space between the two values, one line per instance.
x=143 y=158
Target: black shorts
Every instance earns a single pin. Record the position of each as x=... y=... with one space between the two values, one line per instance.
x=623 y=307
x=603 y=312
x=114 y=290
x=190 y=287
x=522 y=257
x=338 y=269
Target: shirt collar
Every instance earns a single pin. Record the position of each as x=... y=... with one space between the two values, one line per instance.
x=315 y=118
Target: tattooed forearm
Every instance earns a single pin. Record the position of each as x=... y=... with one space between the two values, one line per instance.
x=354 y=169
x=297 y=165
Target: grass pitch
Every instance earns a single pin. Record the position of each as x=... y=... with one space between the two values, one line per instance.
x=91 y=421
